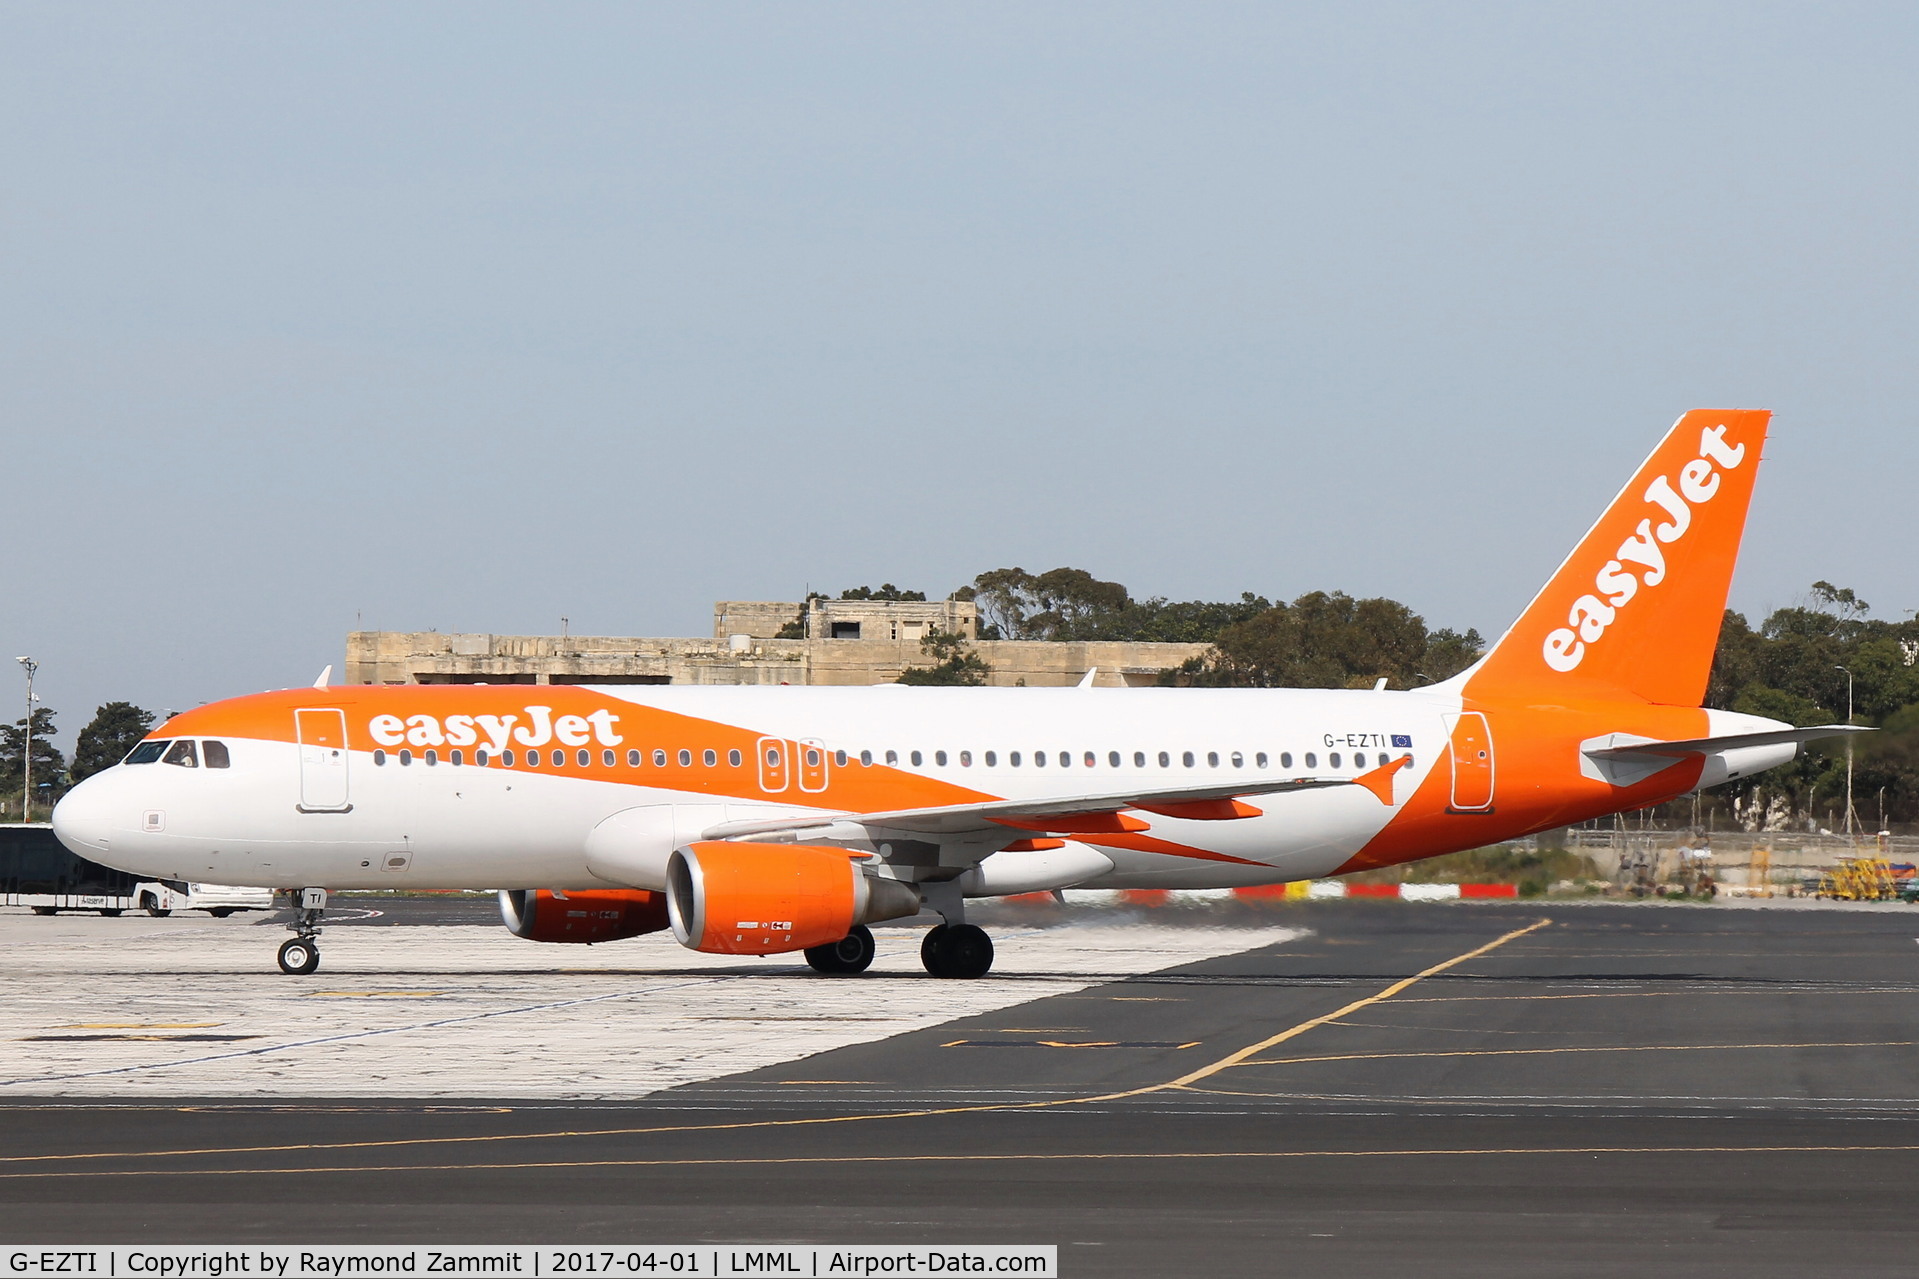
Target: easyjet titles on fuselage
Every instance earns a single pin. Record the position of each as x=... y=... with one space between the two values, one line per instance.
x=501 y=731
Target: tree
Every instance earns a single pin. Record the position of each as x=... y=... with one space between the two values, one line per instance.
x=1072 y=604
x=886 y=591
x=1331 y=640
x=954 y=664
x=49 y=765
x=115 y=729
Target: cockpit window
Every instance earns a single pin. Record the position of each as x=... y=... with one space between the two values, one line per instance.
x=215 y=754
x=183 y=754
x=147 y=752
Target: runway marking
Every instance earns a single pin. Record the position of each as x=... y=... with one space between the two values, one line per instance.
x=1010 y=1157
x=373 y=994
x=358 y=1034
x=1182 y=1082
x=1537 y=1052
x=1292 y=1032
x=141 y=1025
x=1059 y=1043
x=1698 y=991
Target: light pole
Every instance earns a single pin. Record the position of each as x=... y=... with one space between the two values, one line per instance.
x=26 y=749
x=1848 y=749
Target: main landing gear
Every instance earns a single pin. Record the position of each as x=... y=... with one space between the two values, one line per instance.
x=957 y=950
x=300 y=954
x=852 y=953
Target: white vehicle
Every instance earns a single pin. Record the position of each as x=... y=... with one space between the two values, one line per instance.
x=757 y=820
x=38 y=873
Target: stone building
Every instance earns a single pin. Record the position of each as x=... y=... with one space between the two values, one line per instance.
x=844 y=642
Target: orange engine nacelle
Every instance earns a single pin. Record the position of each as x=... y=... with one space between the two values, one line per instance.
x=764 y=899
x=598 y=914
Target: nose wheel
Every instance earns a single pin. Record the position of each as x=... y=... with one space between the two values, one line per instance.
x=957 y=950
x=300 y=954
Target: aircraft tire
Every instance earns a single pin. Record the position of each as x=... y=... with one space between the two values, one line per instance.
x=298 y=956
x=960 y=951
x=852 y=953
x=45 y=910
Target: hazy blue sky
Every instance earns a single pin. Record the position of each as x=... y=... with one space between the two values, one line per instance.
x=469 y=316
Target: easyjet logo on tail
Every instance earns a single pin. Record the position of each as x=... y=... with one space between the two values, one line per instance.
x=1641 y=559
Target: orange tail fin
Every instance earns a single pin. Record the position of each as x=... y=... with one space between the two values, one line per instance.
x=1636 y=607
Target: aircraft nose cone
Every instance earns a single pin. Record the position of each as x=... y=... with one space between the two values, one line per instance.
x=80 y=818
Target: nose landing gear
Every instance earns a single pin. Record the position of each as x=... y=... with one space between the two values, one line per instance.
x=300 y=954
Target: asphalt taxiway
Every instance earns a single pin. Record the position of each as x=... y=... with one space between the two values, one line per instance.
x=1545 y=1089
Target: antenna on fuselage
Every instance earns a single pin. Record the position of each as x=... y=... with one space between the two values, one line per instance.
x=1086 y=680
x=325 y=675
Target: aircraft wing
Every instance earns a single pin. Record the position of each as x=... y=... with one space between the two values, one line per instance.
x=1731 y=741
x=1073 y=814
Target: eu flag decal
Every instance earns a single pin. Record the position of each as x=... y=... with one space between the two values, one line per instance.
x=1402 y=741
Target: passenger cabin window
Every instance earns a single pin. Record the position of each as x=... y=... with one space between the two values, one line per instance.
x=1285 y=759
x=734 y=758
x=866 y=759
x=432 y=757
x=710 y=758
x=215 y=754
x=992 y=760
x=506 y=758
x=632 y=759
x=1112 y=757
x=147 y=752
x=839 y=758
x=686 y=759
x=1139 y=759
x=1333 y=759
x=480 y=757
x=1239 y=760
x=1187 y=759
x=1013 y=759
x=1259 y=760
x=183 y=754
x=915 y=757
x=456 y=757
x=1312 y=760
x=939 y=757
x=379 y=758
x=1091 y=759
x=1165 y=760
x=1066 y=759
x=1212 y=759
x=607 y=759
x=892 y=757
x=406 y=757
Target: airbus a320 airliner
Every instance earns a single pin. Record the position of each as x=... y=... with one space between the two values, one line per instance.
x=773 y=820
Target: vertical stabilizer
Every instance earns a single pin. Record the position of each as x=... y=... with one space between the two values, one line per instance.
x=1635 y=609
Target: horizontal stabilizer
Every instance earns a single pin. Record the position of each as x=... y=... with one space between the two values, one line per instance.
x=1624 y=747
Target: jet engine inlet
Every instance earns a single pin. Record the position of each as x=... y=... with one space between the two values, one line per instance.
x=767 y=899
x=539 y=914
